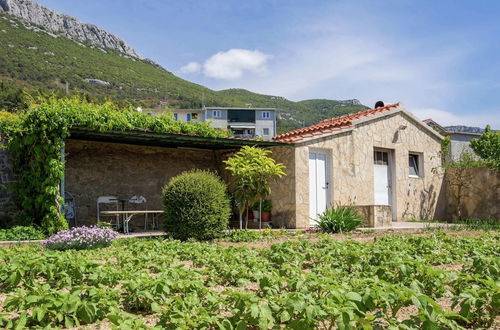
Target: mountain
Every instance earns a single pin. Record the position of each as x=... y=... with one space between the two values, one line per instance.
x=464 y=129
x=66 y=25
x=38 y=57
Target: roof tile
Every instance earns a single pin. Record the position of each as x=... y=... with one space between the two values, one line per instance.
x=330 y=125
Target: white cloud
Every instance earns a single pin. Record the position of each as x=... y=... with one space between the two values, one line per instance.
x=233 y=63
x=191 y=67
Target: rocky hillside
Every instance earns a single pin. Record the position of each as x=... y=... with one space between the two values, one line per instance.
x=68 y=26
x=35 y=57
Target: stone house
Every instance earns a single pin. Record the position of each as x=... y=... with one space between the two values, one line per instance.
x=384 y=160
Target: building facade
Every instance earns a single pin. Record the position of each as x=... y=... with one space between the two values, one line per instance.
x=460 y=137
x=243 y=122
x=384 y=161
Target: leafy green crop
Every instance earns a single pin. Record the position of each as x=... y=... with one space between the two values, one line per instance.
x=409 y=282
x=21 y=233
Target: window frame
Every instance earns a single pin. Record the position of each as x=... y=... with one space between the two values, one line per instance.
x=264 y=131
x=216 y=114
x=266 y=114
x=417 y=159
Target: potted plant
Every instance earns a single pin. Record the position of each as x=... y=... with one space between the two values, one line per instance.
x=266 y=210
x=252 y=170
x=255 y=210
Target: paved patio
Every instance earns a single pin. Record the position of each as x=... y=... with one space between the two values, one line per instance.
x=407 y=225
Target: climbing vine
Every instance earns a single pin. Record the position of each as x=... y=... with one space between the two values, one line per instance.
x=35 y=139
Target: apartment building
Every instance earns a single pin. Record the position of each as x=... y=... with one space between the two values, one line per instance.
x=243 y=122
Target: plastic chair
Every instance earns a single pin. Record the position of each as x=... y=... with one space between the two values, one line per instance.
x=142 y=200
x=70 y=209
x=108 y=200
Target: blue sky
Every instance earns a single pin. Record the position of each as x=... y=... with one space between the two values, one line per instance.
x=440 y=58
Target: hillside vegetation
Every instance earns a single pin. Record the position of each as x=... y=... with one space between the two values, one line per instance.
x=36 y=59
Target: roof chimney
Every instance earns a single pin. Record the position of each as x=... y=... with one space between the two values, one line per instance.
x=379 y=104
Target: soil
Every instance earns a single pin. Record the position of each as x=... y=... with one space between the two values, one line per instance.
x=358 y=236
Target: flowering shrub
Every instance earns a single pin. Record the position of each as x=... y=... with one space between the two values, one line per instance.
x=80 y=238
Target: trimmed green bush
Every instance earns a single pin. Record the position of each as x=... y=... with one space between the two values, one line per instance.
x=196 y=206
x=340 y=219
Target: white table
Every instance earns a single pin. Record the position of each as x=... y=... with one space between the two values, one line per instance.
x=127 y=216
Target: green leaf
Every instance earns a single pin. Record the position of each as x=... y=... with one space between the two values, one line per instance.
x=353 y=296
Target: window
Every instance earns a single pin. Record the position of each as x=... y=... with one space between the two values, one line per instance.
x=266 y=115
x=176 y=116
x=381 y=157
x=414 y=165
x=265 y=132
x=188 y=117
x=194 y=115
x=241 y=116
x=216 y=114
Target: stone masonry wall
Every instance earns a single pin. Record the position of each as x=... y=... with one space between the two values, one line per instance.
x=283 y=192
x=350 y=155
x=473 y=193
x=96 y=169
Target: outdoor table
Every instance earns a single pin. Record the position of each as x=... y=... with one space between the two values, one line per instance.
x=127 y=216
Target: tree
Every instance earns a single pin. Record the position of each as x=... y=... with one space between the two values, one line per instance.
x=253 y=171
x=487 y=146
x=12 y=98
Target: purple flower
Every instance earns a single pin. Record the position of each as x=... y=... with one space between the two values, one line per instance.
x=80 y=238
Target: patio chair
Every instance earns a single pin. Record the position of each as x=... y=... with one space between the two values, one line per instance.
x=112 y=202
x=70 y=209
x=137 y=200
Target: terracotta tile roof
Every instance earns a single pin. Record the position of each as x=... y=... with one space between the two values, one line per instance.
x=332 y=124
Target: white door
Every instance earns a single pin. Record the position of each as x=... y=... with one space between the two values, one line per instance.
x=382 y=178
x=318 y=185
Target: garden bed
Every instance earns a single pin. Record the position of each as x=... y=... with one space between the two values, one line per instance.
x=301 y=281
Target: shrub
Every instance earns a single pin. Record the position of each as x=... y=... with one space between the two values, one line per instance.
x=80 y=238
x=340 y=219
x=196 y=206
x=21 y=233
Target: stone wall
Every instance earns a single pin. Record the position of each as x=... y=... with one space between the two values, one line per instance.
x=96 y=169
x=473 y=193
x=350 y=155
x=375 y=215
x=282 y=191
x=7 y=207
